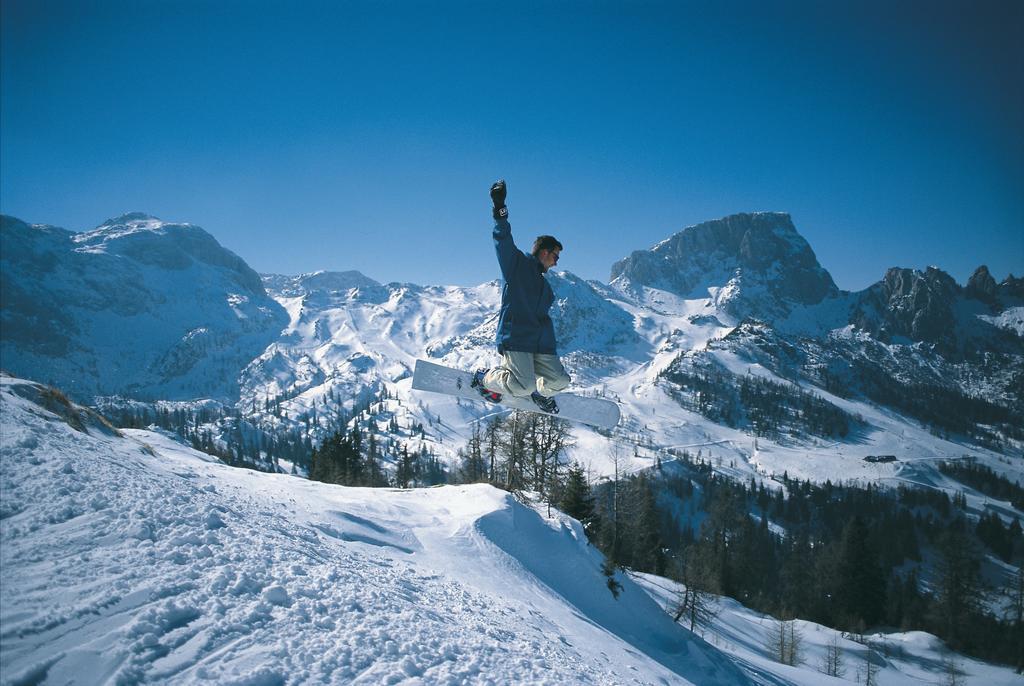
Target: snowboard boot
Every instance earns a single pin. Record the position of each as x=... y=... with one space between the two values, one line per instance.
x=546 y=404
x=478 y=384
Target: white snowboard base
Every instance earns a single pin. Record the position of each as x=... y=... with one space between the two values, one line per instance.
x=436 y=378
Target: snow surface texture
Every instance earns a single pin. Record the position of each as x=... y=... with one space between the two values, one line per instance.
x=137 y=560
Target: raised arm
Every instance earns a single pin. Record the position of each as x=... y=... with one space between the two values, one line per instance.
x=508 y=254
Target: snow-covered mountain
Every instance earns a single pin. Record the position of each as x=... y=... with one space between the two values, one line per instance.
x=915 y=366
x=750 y=264
x=930 y=307
x=130 y=558
x=136 y=307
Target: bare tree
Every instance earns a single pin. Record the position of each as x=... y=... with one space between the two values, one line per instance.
x=952 y=674
x=833 y=662
x=695 y=605
x=775 y=641
x=870 y=668
x=616 y=455
x=525 y=453
x=794 y=644
x=472 y=467
x=785 y=642
x=1015 y=592
x=514 y=451
x=492 y=443
x=547 y=439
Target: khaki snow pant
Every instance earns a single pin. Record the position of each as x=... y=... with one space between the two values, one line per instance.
x=520 y=374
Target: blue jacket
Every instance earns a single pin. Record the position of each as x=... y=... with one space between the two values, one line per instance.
x=524 y=324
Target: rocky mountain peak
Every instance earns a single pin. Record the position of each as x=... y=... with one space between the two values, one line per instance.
x=910 y=303
x=981 y=285
x=129 y=218
x=759 y=258
x=1012 y=287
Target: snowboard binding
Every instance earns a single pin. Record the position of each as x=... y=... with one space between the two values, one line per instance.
x=478 y=384
x=544 y=403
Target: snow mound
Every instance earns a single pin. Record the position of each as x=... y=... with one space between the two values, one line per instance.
x=133 y=559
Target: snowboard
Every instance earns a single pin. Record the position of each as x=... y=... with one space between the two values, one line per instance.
x=436 y=378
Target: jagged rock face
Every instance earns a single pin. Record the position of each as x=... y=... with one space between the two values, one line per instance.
x=981 y=285
x=760 y=260
x=915 y=305
x=1012 y=287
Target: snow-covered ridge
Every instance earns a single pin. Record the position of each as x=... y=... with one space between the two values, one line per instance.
x=232 y=576
x=135 y=307
x=165 y=245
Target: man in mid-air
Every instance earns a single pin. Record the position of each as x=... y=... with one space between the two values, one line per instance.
x=526 y=337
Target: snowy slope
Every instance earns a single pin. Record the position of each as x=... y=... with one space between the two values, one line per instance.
x=132 y=559
x=902 y=659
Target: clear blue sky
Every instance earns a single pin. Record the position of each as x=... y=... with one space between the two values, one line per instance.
x=307 y=135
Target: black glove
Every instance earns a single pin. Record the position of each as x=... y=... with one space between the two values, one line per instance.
x=498 y=191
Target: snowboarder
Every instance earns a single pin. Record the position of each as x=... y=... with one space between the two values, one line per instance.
x=526 y=337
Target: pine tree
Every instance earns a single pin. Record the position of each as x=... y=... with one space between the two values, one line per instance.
x=374 y=476
x=355 y=473
x=405 y=470
x=316 y=469
x=648 y=553
x=797 y=579
x=1015 y=592
x=713 y=552
x=577 y=500
x=608 y=569
x=959 y=591
x=472 y=467
x=860 y=586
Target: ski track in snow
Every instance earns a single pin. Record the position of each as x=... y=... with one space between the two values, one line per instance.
x=123 y=564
